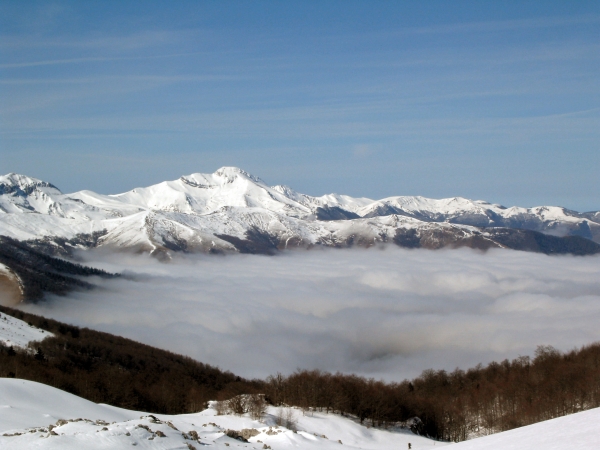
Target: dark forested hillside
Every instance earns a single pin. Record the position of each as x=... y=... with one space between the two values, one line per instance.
x=39 y=272
x=451 y=406
x=110 y=369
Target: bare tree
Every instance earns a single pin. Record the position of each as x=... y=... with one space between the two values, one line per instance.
x=222 y=407
x=286 y=417
x=257 y=406
x=238 y=405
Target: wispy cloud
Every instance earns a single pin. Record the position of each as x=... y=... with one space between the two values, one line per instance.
x=503 y=25
x=126 y=78
x=52 y=62
x=387 y=313
x=106 y=42
x=316 y=122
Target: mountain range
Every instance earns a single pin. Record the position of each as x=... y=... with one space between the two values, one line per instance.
x=231 y=210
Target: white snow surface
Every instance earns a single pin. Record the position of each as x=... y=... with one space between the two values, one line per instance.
x=30 y=414
x=28 y=408
x=197 y=208
x=16 y=333
x=579 y=431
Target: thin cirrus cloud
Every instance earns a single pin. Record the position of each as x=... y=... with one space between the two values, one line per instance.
x=506 y=25
x=387 y=313
x=316 y=123
x=95 y=59
x=121 y=43
x=51 y=62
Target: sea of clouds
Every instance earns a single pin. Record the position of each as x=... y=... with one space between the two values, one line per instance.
x=385 y=313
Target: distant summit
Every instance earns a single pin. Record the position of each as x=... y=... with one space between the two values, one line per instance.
x=15 y=183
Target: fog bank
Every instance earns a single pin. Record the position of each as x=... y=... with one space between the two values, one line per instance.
x=384 y=313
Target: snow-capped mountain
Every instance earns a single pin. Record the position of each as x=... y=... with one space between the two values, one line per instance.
x=232 y=210
x=551 y=220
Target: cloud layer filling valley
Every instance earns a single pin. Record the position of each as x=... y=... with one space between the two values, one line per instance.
x=387 y=313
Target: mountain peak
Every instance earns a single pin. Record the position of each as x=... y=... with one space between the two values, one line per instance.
x=224 y=175
x=12 y=182
x=231 y=173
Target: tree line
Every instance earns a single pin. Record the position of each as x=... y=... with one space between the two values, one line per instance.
x=451 y=406
x=456 y=405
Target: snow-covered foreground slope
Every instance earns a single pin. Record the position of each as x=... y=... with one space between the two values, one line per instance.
x=25 y=404
x=16 y=333
x=233 y=210
x=33 y=415
x=579 y=431
x=28 y=408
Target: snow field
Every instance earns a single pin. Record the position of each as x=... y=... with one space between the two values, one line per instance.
x=579 y=431
x=36 y=416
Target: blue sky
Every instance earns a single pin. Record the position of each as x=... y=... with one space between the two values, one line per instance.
x=486 y=100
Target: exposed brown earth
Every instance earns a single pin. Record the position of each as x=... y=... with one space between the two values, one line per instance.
x=10 y=291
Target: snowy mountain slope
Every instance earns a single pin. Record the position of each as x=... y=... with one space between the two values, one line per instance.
x=16 y=333
x=20 y=194
x=28 y=408
x=332 y=200
x=552 y=220
x=255 y=230
x=231 y=210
